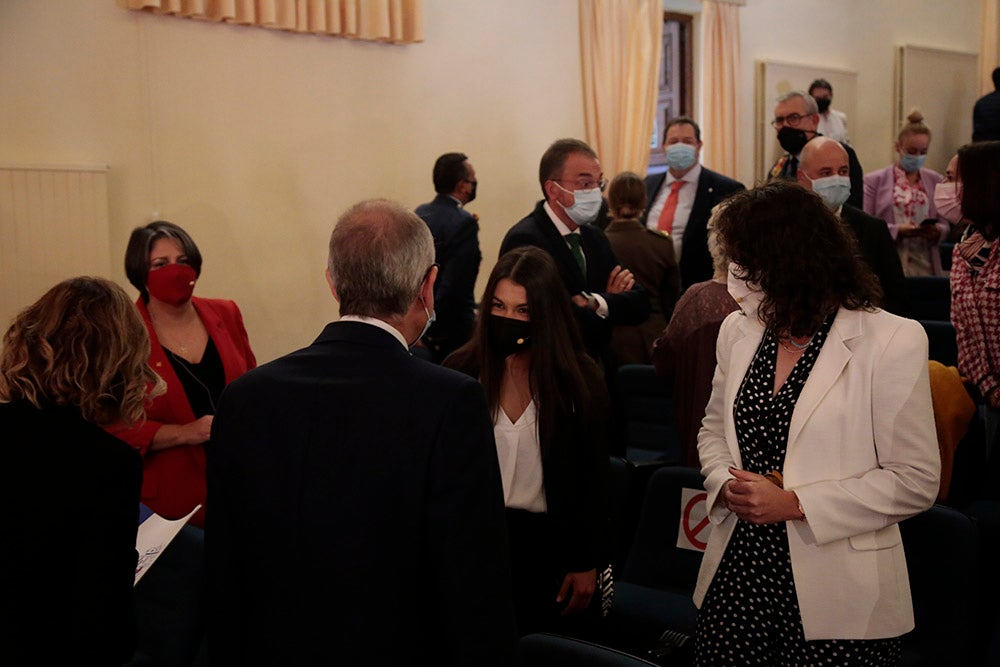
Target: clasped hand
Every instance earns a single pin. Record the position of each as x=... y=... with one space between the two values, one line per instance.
x=756 y=499
x=620 y=280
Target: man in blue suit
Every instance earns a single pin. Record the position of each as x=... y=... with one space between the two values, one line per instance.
x=698 y=190
x=456 y=251
x=357 y=509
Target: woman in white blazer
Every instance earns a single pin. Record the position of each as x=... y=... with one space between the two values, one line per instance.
x=818 y=439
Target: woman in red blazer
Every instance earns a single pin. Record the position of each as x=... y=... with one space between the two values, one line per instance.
x=198 y=346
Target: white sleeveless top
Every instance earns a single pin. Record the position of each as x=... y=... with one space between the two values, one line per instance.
x=520 y=455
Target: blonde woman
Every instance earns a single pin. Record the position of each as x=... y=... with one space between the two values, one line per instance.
x=902 y=194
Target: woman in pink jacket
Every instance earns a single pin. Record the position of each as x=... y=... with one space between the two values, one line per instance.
x=902 y=194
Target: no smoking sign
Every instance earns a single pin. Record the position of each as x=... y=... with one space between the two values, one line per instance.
x=692 y=533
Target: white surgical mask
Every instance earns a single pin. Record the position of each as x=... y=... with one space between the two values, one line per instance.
x=834 y=190
x=746 y=295
x=586 y=205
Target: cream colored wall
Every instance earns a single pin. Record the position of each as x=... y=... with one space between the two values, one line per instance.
x=256 y=140
x=858 y=35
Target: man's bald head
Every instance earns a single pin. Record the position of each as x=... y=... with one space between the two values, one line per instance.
x=822 y=157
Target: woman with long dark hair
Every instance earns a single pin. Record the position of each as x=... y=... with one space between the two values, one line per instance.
x=817 y=441
x=550 y=410
x=975 y=277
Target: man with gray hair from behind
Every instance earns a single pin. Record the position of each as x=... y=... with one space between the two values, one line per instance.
x=357 y=509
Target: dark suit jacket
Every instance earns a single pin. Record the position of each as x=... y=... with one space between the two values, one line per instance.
x=696 y=262
x=68 y=562
x=357 y=512
x=784 y=168
x=986 y=118
x=630 y=307
x=456 y=251
x=879 y=252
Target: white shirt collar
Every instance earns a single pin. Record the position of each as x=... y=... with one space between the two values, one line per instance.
x=690 y=177
x=381 y=324
x=560 y=225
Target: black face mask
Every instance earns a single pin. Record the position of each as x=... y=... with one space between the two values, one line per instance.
x=472 y=193
x=792 y=139
x=823 y=103
x=507 y=335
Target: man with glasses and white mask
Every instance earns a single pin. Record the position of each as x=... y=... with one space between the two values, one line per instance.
x=796 y=117
x=824 y=169
x=604 y=293
x=681 y=199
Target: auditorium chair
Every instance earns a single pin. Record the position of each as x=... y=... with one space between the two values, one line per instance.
x=941 y=344
x=548 y=650
x=649 y=415
x=930 y=297
x=653 y=613
x=942 y=557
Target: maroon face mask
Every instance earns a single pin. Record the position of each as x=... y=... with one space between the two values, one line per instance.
x=172 y=283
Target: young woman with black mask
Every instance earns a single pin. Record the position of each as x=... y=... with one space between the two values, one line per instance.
x=550 y=412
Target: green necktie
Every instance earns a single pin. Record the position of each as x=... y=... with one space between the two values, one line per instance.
x=573 y=240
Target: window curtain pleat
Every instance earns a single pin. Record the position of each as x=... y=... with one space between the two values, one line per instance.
x=621 y=45
x=721 y=62
x=395 y=21
x=989 y=52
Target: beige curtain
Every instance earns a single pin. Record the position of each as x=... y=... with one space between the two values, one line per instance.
x=989 y=54
x=620 y=43
x=721 y=62
x=395 y=21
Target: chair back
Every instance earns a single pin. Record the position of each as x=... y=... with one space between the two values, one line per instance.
x=547 y=650
x=649 y=414
x=655 y=560
x=930 y=297
x=942 y=558
x=941 y=343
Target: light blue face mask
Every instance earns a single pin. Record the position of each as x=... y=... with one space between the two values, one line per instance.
x=586 y=205
x=680 y=156
x=911 y=163
x=834 y=190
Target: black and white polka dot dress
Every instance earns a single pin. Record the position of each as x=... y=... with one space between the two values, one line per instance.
x=750 y=615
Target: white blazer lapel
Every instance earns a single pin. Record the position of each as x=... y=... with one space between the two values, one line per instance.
x=828 y=367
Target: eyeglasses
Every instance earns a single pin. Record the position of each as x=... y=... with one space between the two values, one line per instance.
x=470 y=181
x=585 y=184
x=791 y=120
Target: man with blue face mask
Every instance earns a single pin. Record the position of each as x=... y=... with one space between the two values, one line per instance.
x=604 y=293
x=824 y=168
x=681 y=200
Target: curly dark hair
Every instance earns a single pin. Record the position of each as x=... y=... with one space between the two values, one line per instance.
x=785 y=240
